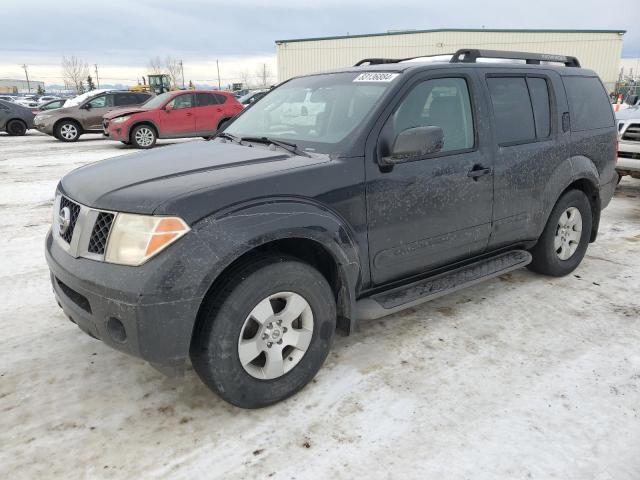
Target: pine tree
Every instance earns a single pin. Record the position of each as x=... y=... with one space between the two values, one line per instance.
x=90 y=84
x=191 y=85
x=40 y=90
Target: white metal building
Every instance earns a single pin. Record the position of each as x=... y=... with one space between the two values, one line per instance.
x=599 y=50
x=19 y=86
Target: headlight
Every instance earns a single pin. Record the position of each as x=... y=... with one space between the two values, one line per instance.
x=134 y=239
x=121 y=119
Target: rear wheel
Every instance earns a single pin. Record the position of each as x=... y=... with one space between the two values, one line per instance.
x=67 y=131
x=16 y=128
x=565 y=238
x=143 y=136
x=265 y=336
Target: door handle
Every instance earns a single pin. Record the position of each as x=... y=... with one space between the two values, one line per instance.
x=189 y=114
x=478 y=171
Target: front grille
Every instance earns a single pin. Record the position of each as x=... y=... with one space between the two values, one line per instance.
x=633 y=155
x=100 y=233
x=632 y=133
x=74 y=210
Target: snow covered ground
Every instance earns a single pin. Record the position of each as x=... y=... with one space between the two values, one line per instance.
x=520 y=377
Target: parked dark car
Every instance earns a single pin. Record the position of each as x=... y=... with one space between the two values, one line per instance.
x=70 y=122
x=338 y=197
x=179 y=114
x=15 y=119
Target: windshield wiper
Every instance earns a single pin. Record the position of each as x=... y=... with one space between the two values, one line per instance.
x=290 y=147
x=227 y=136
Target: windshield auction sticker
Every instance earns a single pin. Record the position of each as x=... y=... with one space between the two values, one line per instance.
x=375 y=77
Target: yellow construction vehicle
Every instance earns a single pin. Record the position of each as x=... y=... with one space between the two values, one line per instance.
x=158 y=83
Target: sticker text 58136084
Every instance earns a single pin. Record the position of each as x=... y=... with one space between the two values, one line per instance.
x=375 y=77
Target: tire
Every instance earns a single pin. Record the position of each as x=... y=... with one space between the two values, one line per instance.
x=16 y=128
x=266 y=285
x=557 y=257
x=67 y=131
x=143 y=136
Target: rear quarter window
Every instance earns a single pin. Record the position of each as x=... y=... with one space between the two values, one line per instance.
x=588 y=103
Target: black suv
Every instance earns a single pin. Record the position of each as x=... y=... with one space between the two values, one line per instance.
x=340 y=196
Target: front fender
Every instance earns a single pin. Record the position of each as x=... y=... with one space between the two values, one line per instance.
x=236 y=231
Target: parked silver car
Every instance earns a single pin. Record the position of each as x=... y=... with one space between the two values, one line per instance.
x=628 y=142
x=15 y=119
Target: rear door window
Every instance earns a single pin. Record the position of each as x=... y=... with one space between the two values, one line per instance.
x=588 y=103
x=124 y=99
x=539 y=92
x=512 y=110
x=205 y=99
x=220 y=98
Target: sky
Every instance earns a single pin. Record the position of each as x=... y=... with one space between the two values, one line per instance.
x=122 y=35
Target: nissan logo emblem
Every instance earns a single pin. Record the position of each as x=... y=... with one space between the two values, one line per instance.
x=64 y=220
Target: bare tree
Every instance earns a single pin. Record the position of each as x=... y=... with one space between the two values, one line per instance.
x=264 y=74
x=74 y=72
x=173 y=69
x=155 y=65
x=245 y=78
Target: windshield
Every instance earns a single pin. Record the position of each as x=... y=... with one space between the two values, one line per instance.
x=315 y=112
x=158 y=101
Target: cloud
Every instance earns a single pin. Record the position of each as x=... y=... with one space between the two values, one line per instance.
x=198 y=31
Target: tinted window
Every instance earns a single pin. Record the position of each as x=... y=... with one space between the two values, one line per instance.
x=588 y=103
x=512 y=110
x=142 y=97
x=182 y=101
x=443 y=103
x=205 y=99
x=539 y=93
x=220 y=98
x=123 y=99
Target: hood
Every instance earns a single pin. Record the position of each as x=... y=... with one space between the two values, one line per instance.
x=124 y=111
x=141 y=182
x=631 y=113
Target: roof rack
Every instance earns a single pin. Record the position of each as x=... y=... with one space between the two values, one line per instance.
x=471 y=55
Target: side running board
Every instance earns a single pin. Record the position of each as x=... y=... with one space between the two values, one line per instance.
x=407 y=296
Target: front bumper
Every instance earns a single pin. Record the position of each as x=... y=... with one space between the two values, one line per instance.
x=117 y=131
x=145 y=311
x=44 y=126
x=628 y=158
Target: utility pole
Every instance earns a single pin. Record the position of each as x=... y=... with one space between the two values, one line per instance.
x=97 y=79
x=24 y=66
x=182 y=70
x=218 y=67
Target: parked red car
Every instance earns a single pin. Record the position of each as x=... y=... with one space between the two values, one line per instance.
x=193 y=113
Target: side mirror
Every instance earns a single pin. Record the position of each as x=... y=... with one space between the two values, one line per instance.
x=87 y=106
x=168 y=107
x=415 y=143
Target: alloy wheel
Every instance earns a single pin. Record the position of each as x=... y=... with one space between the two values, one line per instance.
x=568 y=233
x=144 y=136
x=69 y=131
x=275 y=336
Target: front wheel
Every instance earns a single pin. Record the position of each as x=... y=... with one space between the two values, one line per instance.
x=67 y=131
x=265 y=336
x=143 y=136
x=565 y=238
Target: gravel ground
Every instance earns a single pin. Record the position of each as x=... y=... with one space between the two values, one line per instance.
x=520 y=377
